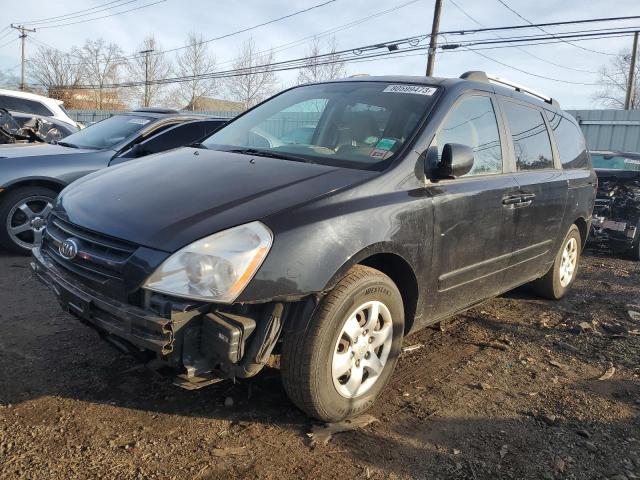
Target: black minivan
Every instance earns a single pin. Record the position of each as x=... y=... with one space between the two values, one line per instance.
x=406 y=200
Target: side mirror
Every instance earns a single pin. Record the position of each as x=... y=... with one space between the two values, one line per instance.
x=138 y=150
x=456 y=160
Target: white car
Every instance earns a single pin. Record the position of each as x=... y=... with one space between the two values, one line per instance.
x=24 y=102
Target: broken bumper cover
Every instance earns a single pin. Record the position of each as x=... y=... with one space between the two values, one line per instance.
x=617 y=233
x=134 y=325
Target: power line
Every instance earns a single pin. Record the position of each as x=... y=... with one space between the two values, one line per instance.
x=6 y=34
x=339 y=28
x=528 y=73
x=356 y=22
x=364 y=52
x=503 y=3
x=104 y=16
x=38 y=25
x=298 y=63
x=355 y=55
x=9 y=42
x=537 y=25
x=237 y=32
x=48 y=19
x=465 y=13
x=247 y=29
x=450 y=32
x=488 y=44
x=561 y=37
x=279 y=48
x=453 y=48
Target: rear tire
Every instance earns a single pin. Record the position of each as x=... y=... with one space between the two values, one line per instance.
x=558 y=280
x=336 y=363
x=27 y=223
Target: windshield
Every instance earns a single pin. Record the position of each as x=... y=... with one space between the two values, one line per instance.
x=615 y=162
x=347 y=124
x=107 y=133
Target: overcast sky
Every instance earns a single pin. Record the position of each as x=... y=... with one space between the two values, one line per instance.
x=171 y=20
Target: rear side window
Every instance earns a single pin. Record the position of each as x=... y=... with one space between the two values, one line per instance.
x=569 y=140
x=530 y=137
x=472 y=122
x=24 y=106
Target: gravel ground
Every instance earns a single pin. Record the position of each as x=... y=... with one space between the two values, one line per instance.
x=510 y=389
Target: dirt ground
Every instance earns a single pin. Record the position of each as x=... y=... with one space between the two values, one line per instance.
x=510 y=389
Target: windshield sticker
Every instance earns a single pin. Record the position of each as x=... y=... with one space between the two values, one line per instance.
x=379 y=154
x=385 y=144
x=370 y=140
x=631 y=161
x=139 y=121
x=417 y=89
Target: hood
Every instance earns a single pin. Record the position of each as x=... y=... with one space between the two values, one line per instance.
x=169 y=200
x=612 y=173
x=37 y=150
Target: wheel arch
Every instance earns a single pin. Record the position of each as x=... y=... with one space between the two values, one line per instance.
x=395 y=266
x=46 y=182
x=583 y=228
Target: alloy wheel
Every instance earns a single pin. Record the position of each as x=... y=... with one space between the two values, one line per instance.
x=27 y=219
x=362 y=349
x=568 y=262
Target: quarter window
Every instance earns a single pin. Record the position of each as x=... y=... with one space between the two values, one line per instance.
x=472 y=122
x=569 y=140
x=530 y=137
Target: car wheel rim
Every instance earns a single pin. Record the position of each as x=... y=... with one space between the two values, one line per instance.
x=568 y=262
x=362 y=349
x=27 y=219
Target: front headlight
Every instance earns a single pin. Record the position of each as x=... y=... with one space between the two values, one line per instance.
x=215 y=268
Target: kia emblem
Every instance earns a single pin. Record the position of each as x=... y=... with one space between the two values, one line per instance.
x=68 y=249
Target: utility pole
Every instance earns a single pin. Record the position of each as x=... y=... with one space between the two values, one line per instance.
x=146 y=100
x=433 y=41
x=23 y=35
x=628 y=101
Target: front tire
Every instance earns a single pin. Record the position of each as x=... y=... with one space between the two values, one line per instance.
x=558 y=280
x=23 y=214
x=336 y=363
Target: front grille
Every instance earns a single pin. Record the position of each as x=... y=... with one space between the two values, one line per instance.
x=100 y=259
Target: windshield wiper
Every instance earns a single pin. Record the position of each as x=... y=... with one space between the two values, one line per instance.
x=67 y=144
x=270 y=154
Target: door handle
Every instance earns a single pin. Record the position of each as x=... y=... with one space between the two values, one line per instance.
x=511 y=200
x=527 y=197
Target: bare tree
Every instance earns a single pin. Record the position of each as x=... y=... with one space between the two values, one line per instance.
x=323 y=63
x=57 y=72
x=256 y=79
x=8 y=80
x=103 y=62
x=149 y=66
x=614 y=80
x=194 y=62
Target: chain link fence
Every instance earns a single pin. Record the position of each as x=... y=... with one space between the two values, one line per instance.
x=88 y=117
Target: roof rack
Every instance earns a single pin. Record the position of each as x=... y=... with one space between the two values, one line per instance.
x=155 y=110
x=479 y=76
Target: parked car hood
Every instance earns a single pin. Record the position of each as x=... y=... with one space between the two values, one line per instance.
x=169 y=200
x=37 y=150
x=617 y=173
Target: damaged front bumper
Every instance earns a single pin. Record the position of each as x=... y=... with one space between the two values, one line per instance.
x=618 y=235
x=198 y=344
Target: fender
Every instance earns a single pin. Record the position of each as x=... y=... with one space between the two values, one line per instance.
x=35 y=180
